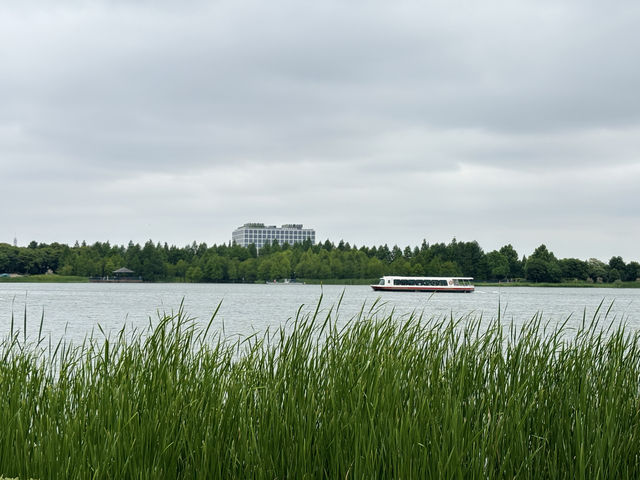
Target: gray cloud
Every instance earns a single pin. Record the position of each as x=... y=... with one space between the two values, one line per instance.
x=181 y=120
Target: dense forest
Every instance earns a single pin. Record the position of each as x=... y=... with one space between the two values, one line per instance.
x=232 y=263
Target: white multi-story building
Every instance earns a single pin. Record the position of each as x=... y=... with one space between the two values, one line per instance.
x=259 y=234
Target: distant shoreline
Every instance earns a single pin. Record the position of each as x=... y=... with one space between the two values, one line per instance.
x=331 y=281
x=46 y=278
x=635 y=284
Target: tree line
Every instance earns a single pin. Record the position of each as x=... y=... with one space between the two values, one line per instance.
x=232 y=263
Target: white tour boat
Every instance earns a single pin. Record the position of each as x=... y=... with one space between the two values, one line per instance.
x=425 y=284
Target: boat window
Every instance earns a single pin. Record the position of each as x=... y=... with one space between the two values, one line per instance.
x=381 y=282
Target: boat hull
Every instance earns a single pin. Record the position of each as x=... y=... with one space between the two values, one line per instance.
x=412 y=288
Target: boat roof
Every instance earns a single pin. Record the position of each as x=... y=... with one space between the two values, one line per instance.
x=428 y=278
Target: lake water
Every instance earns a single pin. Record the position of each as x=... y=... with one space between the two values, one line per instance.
x=72 y=311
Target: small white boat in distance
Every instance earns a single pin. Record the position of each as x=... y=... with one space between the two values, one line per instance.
x=424 y=284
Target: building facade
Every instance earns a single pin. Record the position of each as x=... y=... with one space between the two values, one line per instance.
x=259 y=234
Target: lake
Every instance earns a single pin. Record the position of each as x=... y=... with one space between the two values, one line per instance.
x=72 y=311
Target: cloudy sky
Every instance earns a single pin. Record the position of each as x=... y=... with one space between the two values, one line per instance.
x=371 y=121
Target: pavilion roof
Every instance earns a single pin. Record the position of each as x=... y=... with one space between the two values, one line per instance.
x=123 y=270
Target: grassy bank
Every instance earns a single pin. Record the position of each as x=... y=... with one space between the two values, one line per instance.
x=340 y=281
x=52 y=278
x=383 y=397
x=575 y=284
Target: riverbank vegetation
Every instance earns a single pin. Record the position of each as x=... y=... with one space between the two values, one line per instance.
x=562 y=284
x=382 y=397
x=324 y=261
x=46 y=278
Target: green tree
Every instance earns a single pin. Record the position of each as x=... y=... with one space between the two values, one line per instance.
x=450 y=269
x=181 y=269
x=233 y=270
x=194 y=274
x=536 y=270
x=597 y=270
x=396 y=253
x=614 y=275
x=542 y=266
x=215 y=268
x=383 y=253
x=515 y=265
x=66 y=269
x=573 y=268
x=322 y=264
x=498 y=265
x=133 y=260
x=375 y=268
x=399 y=266
x=280 y=267
x=469 y=257
x=248 y=270
x=8 y=258
x=631 y=272
x=152 y=263
x=305 y=268
x=336 y=264
x=618 y=264
x=264 y=269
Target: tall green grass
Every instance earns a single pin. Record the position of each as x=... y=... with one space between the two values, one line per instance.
x=382 y=397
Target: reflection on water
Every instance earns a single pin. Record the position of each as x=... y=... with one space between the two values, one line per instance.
x=72 y=311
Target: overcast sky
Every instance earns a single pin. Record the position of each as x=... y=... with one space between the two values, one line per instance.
x=371 y=121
